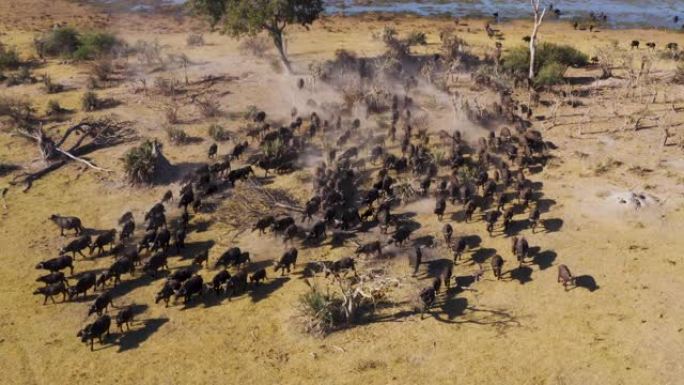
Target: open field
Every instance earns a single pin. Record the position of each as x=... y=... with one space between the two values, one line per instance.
x=628 y=328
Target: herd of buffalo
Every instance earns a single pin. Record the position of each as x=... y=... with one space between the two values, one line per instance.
x=357 y=187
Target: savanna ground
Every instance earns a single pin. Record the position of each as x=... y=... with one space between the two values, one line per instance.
x=525 y=330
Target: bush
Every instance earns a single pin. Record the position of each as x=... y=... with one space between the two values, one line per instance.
x=679 y=74
x=19 y=110
x=102 y=69
x=218 y=133
x=257 y=46
x=416 y=38
x=63 y=41
x=140 y=163
x=209 y=108
x=50 y=86
x=166 y=87
x=54 y=108
x=23 y=76
x=552 y=73
x=90 y=101
x=318 y=312
x=176 y=135
x=67 y=42
x=195 y=40
x=9 y=58
x=96 y=44
x=517 y=61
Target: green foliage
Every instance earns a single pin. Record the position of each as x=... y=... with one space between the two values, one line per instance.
x=218 y=133
x=9 y=58
x=54 y=108
x=318 y=311
x=557 y=57
x=416 y=38
x=90 y=101
x=95 y=44
x=176 y=135
x=67 y=42
x=140 y=163
x=63 y=41
x=550 y=74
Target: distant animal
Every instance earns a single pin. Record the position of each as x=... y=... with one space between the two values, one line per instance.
x=162 y=240
x=200 y=258
x=219 y=280
x=263 y=223
x=239 y=174
x=440 y=207
x=154 y=263
x=635 y=44
x=458 y=247
x=448 y=232
x=497 y=264
x=193 y=286
x=400 y=235
x=179 y=238
x=341 y=265
x=95 y=330
x=469 y=210
x=445 y=275
x=77 y=246
x=124 y=317
x=565 y=276
x=520 y=249
x=236 y=283
x=53 y=278
x=57 y=264
x=651 y=45
x=534 y=218
x=169 y=289
x=102 y=240
x=370 y=247
x=168 y=196
x=84 y=283
x=52 y=290
x=101 y=303
x=182 y=275
x=289 y=258
x=490 y=219
x=67 y=223
x=427 y=298
x=229 y=257
x=213 y=150
x=257 y=277
x=147 y=240
x=127 y=230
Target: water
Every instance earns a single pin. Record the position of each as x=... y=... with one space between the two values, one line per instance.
x=656 y=13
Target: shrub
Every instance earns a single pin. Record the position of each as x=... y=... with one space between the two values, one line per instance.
x=208 y=107
x=679 y=74
x=317 y=311
x=19 y=110
x=257 y=46
x=102 y=69
x=90 y=101
x=140 y=163
x=54 y=108
x=166 y=87
x=23 y=76
x=96 y=44
x=416 y=38
x=67 y=42
x=176 y=135
x=50 y=86
x=218 y=133
x=195 y=40
x=517 y=61
x=550 y=74
x=171 y=112
x=63 y=41
x=9 y=58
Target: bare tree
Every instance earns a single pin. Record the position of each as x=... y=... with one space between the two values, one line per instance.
x=538 y=18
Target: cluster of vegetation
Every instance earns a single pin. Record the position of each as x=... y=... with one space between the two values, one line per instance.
x=551 y=62
x=679 y=74
x=90 y=101
x=54 y=108
x=19 y=110
x=9 y=58
x=176 y=135
x=195 y=40
x=23 y=76
x=68 y=42
x=218 y=133
x=140 y=163
x=51 y=87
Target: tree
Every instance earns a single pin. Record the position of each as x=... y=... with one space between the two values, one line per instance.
x=538 y=18
x=249 y=17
